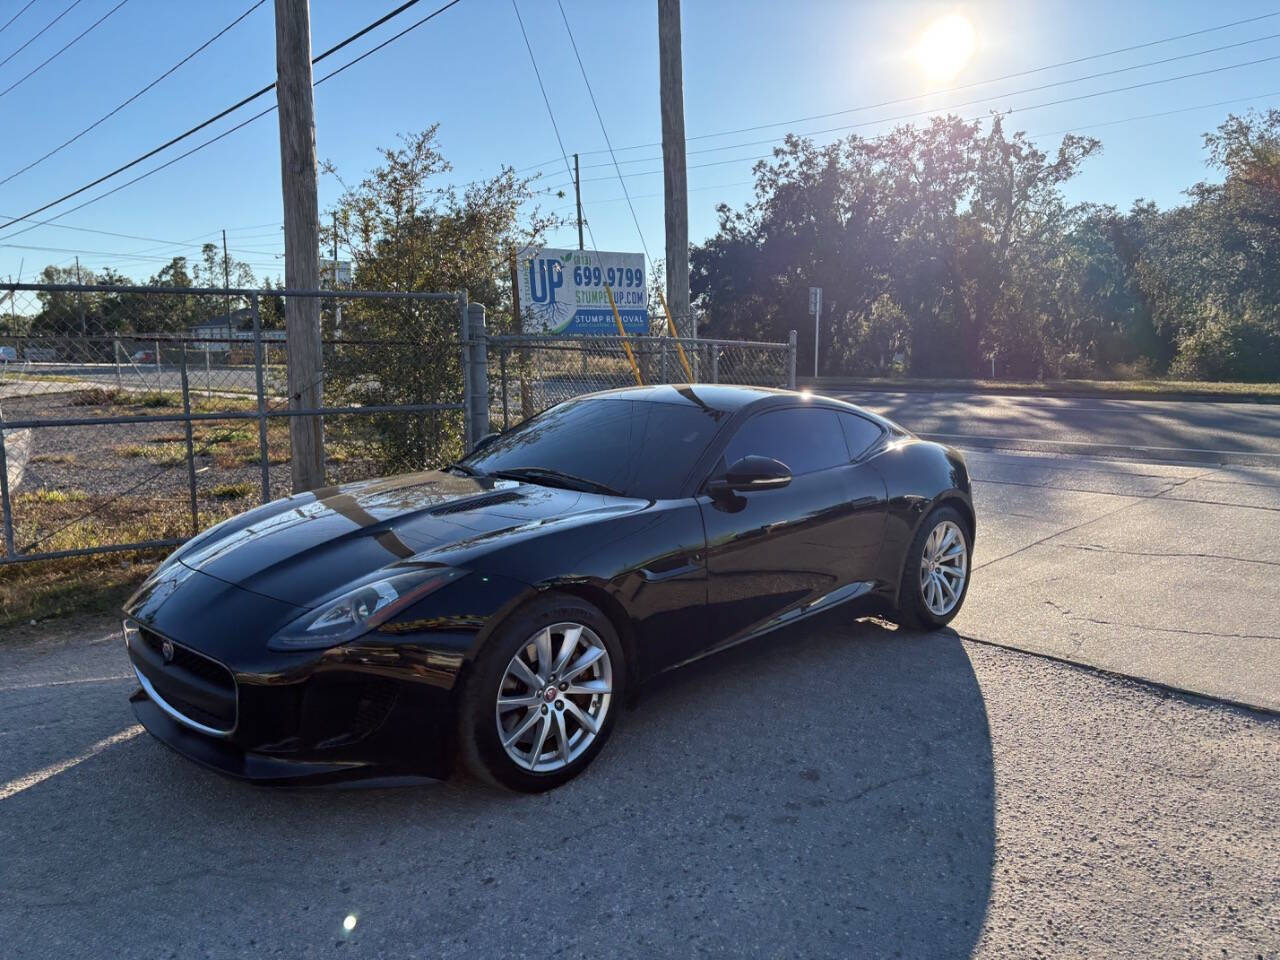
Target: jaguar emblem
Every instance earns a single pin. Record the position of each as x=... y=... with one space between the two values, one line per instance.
x=166 y=651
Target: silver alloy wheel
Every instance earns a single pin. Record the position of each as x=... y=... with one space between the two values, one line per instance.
x=944 y=565
x=554 y=697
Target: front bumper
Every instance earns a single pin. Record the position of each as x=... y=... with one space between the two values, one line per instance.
x=225 y=757
x=367 y=710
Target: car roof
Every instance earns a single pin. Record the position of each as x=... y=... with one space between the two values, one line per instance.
x=731 y=398
x=717 y=396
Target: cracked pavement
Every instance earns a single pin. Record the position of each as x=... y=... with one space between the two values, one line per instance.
x=1155 y=571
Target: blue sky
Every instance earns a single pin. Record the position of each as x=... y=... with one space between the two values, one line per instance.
x=747 y=63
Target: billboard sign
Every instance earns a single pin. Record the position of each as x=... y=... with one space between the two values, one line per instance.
x=563 y=292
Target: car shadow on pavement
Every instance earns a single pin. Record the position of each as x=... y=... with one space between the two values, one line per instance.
x=824 y=791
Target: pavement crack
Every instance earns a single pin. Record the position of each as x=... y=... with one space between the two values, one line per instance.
x=1082 y=618
x=1057 y=533
x=889 y=782
x=1099 y=548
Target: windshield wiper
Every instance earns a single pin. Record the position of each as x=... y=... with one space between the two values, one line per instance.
x=465 y=470
x=556 y=478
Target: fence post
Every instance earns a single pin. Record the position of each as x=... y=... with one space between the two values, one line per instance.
x=791 y=360
x=157 y=364
x=715 y=362
x=115 y=355
x=5 y=506
x=191 y=453
x=464 y=338
x=208 y=377
x=478 y=406
x=663 y=359
x=262 y=398
x=502 y=364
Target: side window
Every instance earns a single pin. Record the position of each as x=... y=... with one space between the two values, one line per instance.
x=860 y=433
x=804 y=438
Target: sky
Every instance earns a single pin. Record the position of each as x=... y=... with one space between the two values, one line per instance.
x=750 y=64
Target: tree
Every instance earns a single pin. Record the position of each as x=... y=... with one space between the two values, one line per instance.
x=406 y=232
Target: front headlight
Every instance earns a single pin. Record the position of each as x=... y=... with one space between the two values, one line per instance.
x=362 y=609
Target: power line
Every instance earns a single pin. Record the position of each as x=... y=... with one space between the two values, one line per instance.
x=548 y=101
x=231 y=109
x=38 y=33
x=61 y=50
x=121 y=106
x=930 y=112
x=17 y=15
x=596 y=107
x=1031 y=136
x=972 y=84
x=755 y=143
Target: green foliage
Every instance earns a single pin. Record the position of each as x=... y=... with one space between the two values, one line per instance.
x=407 y=233
x=949 y=248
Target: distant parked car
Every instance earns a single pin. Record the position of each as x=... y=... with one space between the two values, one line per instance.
x=8 y=355
x=144 y=356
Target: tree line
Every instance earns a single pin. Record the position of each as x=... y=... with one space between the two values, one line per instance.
x=942 y=249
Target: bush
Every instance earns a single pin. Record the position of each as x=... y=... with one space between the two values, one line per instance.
x=1244 y=349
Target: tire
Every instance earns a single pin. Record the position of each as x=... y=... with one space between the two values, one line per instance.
x=589 y=697
x=921 y=607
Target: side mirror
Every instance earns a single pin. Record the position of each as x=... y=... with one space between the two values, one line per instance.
x=484 y=441
x=752 y=473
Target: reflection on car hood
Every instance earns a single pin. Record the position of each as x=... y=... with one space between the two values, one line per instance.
x=308 y=548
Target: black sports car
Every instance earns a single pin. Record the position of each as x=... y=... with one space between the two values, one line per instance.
x=499 y=610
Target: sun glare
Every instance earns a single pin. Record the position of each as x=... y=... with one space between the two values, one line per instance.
x=945 y=47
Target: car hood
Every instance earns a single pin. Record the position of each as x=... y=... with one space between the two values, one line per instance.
x=302 y=549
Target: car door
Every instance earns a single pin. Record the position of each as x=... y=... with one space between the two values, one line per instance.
x=778 y=553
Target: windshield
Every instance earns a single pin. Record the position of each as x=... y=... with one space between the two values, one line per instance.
x=638 y=448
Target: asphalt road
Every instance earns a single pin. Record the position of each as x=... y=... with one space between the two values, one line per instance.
x=838 y=791
x=1245 y=434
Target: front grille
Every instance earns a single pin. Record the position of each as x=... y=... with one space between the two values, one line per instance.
x=196 y=689
x=194 y=663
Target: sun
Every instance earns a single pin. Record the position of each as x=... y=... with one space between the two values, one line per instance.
x=945 y=47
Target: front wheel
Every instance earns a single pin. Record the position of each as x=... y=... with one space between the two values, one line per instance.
x=935 y=577
x=543 y=695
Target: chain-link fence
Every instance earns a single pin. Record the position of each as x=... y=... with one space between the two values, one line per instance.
x=134 y=416
x=528 y=374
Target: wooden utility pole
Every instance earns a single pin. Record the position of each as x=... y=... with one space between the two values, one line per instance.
x=301 y=239
x=674 y=181
x=226 y=283
x=577 y=194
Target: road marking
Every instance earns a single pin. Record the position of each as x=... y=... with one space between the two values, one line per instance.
x=26 y=782
x=63 y=683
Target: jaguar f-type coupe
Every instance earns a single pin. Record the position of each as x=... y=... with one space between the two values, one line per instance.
x=498 y=612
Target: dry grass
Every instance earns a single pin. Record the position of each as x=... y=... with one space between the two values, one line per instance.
x=42 y=589
x=161 y=454
x=66 y=459
x=57 y=588
x=50 y=496
x=232 y=491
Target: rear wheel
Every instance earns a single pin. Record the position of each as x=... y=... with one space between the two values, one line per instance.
x=543 y=695
x=935 y=577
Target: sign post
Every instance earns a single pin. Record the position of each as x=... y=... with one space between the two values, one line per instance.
x=815 y=309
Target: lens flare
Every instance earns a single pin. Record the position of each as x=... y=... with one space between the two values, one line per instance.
x=945 y=47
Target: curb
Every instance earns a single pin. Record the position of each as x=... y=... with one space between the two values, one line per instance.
x=1057 y=392
x=1157 y=685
